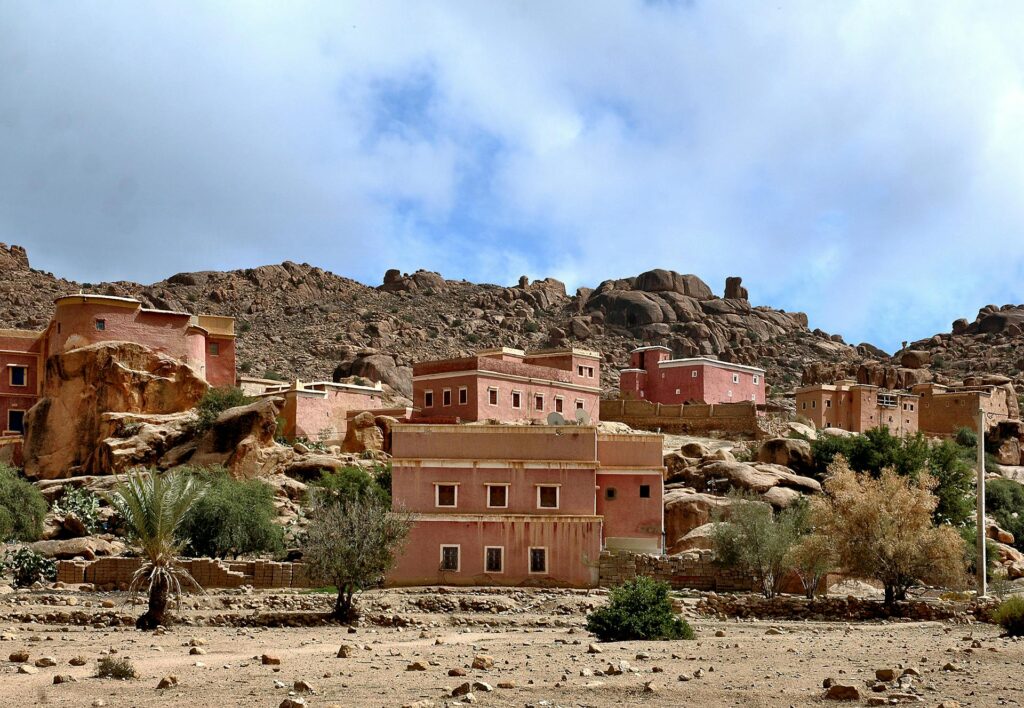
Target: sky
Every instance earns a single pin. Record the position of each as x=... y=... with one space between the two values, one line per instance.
x=861 y=161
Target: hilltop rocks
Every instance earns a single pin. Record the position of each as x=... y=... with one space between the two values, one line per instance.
x=395 y=281
x=686 y=510
x=788 y=452
x=734 y=289
x=915 y=359
x=65 y=426
x=374 y=366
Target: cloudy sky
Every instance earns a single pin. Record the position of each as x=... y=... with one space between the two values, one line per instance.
x=860 y=161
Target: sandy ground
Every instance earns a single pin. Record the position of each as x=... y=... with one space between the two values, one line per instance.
x=751 y=665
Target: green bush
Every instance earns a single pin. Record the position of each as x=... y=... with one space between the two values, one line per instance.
x=214 y=402
x=355 y=483
x=1004 y=502
x=272 y=375
x=22 y=507
x=83 y=504
x=965 y=437
x=638 y=610
x=234 y=517
x=1010 y=615
x=954 y=476
x=27 y=567
x=120 y=669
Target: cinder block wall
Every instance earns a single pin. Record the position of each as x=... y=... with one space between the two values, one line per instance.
x=208 y=572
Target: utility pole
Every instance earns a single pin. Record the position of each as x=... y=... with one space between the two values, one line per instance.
x=982 y=588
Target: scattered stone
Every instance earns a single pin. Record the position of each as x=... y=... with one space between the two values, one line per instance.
x=18 y=657
x=462 y=689
x=506 y=684
x=78 y=661
x=842 y=692
x=301 y=686
x=344 y=651
x=270 y=660
x=594 y=649
x=416 y=666
x=27 y=669
x=951 y=667
x=296 y=702
x=483 y=662
x=886 y=675
x=199 y=651
x=482 y=686
x=456 y=672
x=64 y=678
x=167 y=682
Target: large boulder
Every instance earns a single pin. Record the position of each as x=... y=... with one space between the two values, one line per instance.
x=758 y=478
x=374 y=366
x=88 y=548
x=64 y=428
x=239 y=439
x=701 y=538
x=660 y=280
x=363 y=434
x=794 y=454
x=686 y=510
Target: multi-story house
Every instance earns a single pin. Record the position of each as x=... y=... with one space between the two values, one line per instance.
x=858 y=407
x=654 y=376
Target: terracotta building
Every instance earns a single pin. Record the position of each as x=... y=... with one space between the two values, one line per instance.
x=654 y=376
x=522 y=505
x=858 y=407
x=318 y=410
x=508 y=385
x=205 y=342
x=944 y=410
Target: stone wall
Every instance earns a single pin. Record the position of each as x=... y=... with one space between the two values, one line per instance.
x=789 y=607
x=735 y=418
x=691 y=571
x=208 y=572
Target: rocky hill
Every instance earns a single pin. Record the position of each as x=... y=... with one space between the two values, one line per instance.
x=299 y=320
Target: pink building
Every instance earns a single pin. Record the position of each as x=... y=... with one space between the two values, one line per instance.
x=320 y=410
x=522 y=505
x=654 y=377
x=21 y=365
x=508 y=385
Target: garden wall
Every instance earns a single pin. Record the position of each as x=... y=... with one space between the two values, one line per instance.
x=736 y=418
x=208 y=572
x=689 y=571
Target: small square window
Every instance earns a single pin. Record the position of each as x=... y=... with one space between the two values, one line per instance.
x=693 y=374
x=101 y=325
x=610 y=493
x=814 y=404
x=446 y=397
x=538 y=402
x=497 y=496
x=547 y=497
x=214 y=349
x=463 y=396
x=538 y=560
x=757 y=379
x=428 y=399
x=828 y=403
x=678 y=391
x=446 y=495
x=804 y=405
x=492 y=396
x=517 y=399
x=494 y=559
x=450 y=558
x=19 y=375
x=579 y=370
x=579 y=405
x=735 y=378
x=645 y=491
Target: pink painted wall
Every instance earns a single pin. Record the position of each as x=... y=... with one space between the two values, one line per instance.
x=573 y=548
x=704 y=382
x=220 y=368
x=75 y=326
x=630 y=450
x=307 y=414
x=493 y=442
x=629 y=515
x=18 y=351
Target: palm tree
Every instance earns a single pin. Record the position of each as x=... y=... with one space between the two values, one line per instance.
x=152 y=507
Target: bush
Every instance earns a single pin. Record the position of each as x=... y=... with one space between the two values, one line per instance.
x=272 y=375
x=354 y=483
x=965 y=437
x=82 y=504
x=234 y=517
x=638 y=610
x=120 y=669
x=1004 y=502
x=1010 y=615
x=954 y=483
x=22 y=507
x=214 y=402
x=28 y=567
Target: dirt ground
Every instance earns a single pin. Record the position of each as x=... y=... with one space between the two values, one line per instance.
x=535 y=637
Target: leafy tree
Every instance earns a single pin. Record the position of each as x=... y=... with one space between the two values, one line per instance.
x=638 y=610
x=234 y=517
x=355 y=483
x=352 y=543
x=1004 y=502
x=882 y=528
x=22 y=507
x=214 y=402
x=812 y=558
x=153 y=507
x=954 y=483
x=965 y=437
x=27 y=566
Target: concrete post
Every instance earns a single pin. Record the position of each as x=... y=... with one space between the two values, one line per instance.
x=982 y=588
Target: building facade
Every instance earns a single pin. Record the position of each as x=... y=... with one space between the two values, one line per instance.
x=318 y=410
x=508 y=385
x=204 y=342
x=858 y=407
x=522 y=505
x=654 y=376
x=944 y=410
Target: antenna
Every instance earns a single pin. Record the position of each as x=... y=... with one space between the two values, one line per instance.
x=582 y=417
x=555 y=418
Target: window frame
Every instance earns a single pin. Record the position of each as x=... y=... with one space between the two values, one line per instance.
x=580 y=404
x=501 y=570
x=558 y=496
x=100 y=323
x=735 y=378
x=9 y=427
x=645 y=488
x=757 y=378
x=538 y=397
x=610 y=494
x=693 y=373
x=428 y=398
x=437 y=495
x=458 y=558
x=529 y=560
x=559 y=404
x=519 y=394
x=492 y=395
x=463 y=395
x=446 y=395
x=488 y=486
x=10 y=375
x=214 y=348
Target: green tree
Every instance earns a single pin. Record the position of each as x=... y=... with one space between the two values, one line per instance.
x=214 y=402
x=354 y=483
x=22 y=507
x=638 y=610
x=1004 y=502
x=954 y=483
x=152 y=507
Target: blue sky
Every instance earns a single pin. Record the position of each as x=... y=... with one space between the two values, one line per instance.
x=860 y=161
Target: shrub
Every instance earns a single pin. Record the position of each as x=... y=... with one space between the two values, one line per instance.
x=22 y=507
x=354 y=483
x=1004 y=502
x=273 y=375
x=969 y=534
x=234 y=517
x=1010 y=615
x=954 y=483
x=82 y=504
x=965 y=437
x=120 y=669
x=638 y=610
x=27 y=567
x=214 y=402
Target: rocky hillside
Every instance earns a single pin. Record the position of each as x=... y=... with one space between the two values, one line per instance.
x=300 y=320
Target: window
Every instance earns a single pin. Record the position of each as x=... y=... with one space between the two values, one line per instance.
x=463 y=395
x=517 y=399
x=814 y=404
x=579 y=370
x=677 y=391
x=911 y=406
x=446 y=397
x=214 y=349
x=887 y=400
x=590 y=372
x=559 y=404
x=547 y=497
x=735 y=378
x=757 y=379
x=494 y=559
x=19 y=375
x=828 y=403
x=579 y=404
x=446 y=495
x=492 y=396
x=693 y=374
x=450 y=558
x=16 y=421
x=538 y=560
x=609 y=493
x=538 y=402
x=804 y=404
x=645 y=491
x=58 y=328
x=497 y=496
x=101 y=325
x=428 y=399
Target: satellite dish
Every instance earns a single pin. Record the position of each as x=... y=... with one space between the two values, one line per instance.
x=555 y=418
x=582 y=417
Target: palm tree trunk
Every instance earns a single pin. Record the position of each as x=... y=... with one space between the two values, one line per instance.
x=156 y=615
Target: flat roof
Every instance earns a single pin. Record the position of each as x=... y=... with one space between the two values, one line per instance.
x=498 y=350
x=713 y=362
x=22 y=333
x=574 y=351
x=651 y=346
x=83 y=298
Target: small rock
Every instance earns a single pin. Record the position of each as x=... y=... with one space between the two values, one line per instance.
x=167 y=682
x=344 y=651
x=301 y=686
x=456 y=672
x=64 y=678
x=270 y=660
x=27 y=669
x=199 y=651
x=78 y=661
x=416 y=666
x=18 y=657
x=506 y=684
x=296 y=702
x=594 y=649
x=842 y=692
x=45 y=662
x=462 y=689
x=483 y=661
x=886 y=675
x=482 y=686
x=951 y=667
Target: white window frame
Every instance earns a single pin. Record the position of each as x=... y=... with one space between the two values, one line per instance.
x=693 y=374
x=590 y=372
x=446 y=393
x=580 y=404
x=757 y=379
x=488 y=485
x=494 y=390
x=559 y=404
x=458 y=553
x=502 y=569
x=428 y=398
x=463 y=395
x=538 y=397
x=735 y=378
x=678 y=391
x=529 y=560
x=514 y=394
x=10 y=375
x=579 y=369
x=558 y=496
x=437 y=495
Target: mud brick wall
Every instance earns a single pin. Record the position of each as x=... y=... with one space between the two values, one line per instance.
x=208 y=572
x=690 y=571
x=738 y=418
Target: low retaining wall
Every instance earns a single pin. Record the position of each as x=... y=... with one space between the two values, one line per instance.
x=686 y=571
x=788 y=607
x=736 y=418
x=208 y=572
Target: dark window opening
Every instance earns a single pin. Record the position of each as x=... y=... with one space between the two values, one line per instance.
x=494 y=561
x=450 y=558
x=645 y=491
x=538 y=560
